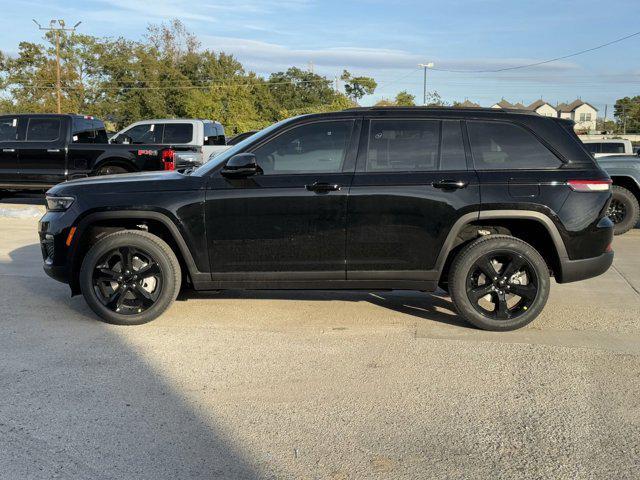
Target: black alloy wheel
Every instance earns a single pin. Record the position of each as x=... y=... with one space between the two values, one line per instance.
x=499 y=282
x=617 y=211
x=130 y=277
x=502 y=285
x=127 y=280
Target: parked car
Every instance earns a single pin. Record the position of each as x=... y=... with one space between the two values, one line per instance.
x=485 y=203
x=38 y=151
x=625 y=174
x=602 y=147
x=203 y=138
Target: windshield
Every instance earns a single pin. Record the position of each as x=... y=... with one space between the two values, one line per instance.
x=237 y=148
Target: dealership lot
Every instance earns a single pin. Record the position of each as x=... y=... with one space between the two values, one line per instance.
x=314 y=384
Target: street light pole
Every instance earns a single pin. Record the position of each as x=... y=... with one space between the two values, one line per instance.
x=57 y=30
x=424 y=89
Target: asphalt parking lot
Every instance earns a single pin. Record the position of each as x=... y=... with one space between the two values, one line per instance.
x=314 y=384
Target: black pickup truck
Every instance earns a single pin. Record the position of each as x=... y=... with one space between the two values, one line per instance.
x=38 y=151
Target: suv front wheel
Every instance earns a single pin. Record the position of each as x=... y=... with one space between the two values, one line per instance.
x=499 y=282
x=130 y=277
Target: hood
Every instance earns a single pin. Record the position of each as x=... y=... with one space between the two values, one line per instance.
x=155 y=181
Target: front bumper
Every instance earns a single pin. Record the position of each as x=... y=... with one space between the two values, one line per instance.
x=574 y=270
x=53 y=230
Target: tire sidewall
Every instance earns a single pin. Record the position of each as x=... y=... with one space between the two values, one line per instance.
x=630 y=202
x=486 y=245
x=170 y=278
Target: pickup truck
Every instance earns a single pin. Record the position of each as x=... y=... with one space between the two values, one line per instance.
x=199 y=139
x=624 y=209
x=38 y=151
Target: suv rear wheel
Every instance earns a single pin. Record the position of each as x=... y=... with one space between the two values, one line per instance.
x=499 y=282
x=624 y=210
x=130 y=277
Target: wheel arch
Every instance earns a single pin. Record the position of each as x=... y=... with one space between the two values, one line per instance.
x=92 y=227
x=118 y=161
x=467 y=228
x=628 y=182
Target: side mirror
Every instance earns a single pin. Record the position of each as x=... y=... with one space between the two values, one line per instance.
x=241 y=165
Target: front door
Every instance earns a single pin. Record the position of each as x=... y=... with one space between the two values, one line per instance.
x=411 y=185
x=9 y=146
x=289 y=222
x=42 y=156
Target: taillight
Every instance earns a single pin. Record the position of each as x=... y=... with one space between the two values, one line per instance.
x=169 y=159
x=590 y=185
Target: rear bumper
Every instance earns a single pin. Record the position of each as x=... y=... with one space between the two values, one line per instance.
x=574 y=270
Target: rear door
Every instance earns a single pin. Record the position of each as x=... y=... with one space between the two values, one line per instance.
x=9 y=146
x=411 y=184
x=42 y=155
x=515 y=168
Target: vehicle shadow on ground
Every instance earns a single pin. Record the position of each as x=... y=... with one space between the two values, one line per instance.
x=79 y=400
x=434 y=307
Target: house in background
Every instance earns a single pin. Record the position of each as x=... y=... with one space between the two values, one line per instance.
x=467 y=104
x=582 y=113
x=544 y=108
x=502 y=104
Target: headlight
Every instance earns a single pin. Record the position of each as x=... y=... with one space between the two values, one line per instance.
x=59 y=204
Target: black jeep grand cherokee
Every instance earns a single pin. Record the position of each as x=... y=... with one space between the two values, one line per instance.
x=486 y=204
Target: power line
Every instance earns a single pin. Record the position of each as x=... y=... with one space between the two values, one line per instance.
x=535 y=64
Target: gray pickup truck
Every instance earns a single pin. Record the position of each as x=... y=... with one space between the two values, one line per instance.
x=625 y=173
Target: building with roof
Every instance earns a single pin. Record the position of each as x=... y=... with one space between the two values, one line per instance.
x=544 y=108
x=467 y=104
x=582 y=113
x=502 y=104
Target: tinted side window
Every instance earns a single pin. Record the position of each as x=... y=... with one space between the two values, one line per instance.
x=452 y=155
x=612 y=147
x=8 y=129
x=500 y=146
x=403 y=145
x=313 y=148
x=43 y=129
x=178 y=133
x=149 y=133
x=592 y=147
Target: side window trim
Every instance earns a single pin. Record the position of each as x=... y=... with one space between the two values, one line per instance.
x=348 y=148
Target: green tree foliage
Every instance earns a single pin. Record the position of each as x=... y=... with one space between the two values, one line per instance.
x=627 y=113
x=166 y=74
x=405 y=99
x=357 y=87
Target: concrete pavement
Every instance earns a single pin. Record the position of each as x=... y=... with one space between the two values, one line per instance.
x=316 y=384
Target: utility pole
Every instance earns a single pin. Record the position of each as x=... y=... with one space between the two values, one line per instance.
x=424 y=89
x=57 y=30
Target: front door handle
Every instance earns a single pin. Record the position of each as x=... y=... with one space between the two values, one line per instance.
x=320 y=187
x=53 y=150
x=450 y=184
x=9 y=150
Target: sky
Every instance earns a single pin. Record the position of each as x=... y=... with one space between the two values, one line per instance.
x=388 y=39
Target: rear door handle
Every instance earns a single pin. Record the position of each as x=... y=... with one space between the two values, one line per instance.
x=450 y=184
x=8 y=150
x=53 y=150
x=320 y=187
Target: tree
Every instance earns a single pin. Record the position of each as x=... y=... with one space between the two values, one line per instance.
x=357 y=87
x=166 y=74
x=627 y=113
x=405 y=99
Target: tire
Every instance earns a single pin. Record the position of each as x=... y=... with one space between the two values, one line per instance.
x=506 y=257
x=624 y=210
x=111 y=170
x=122 y=298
